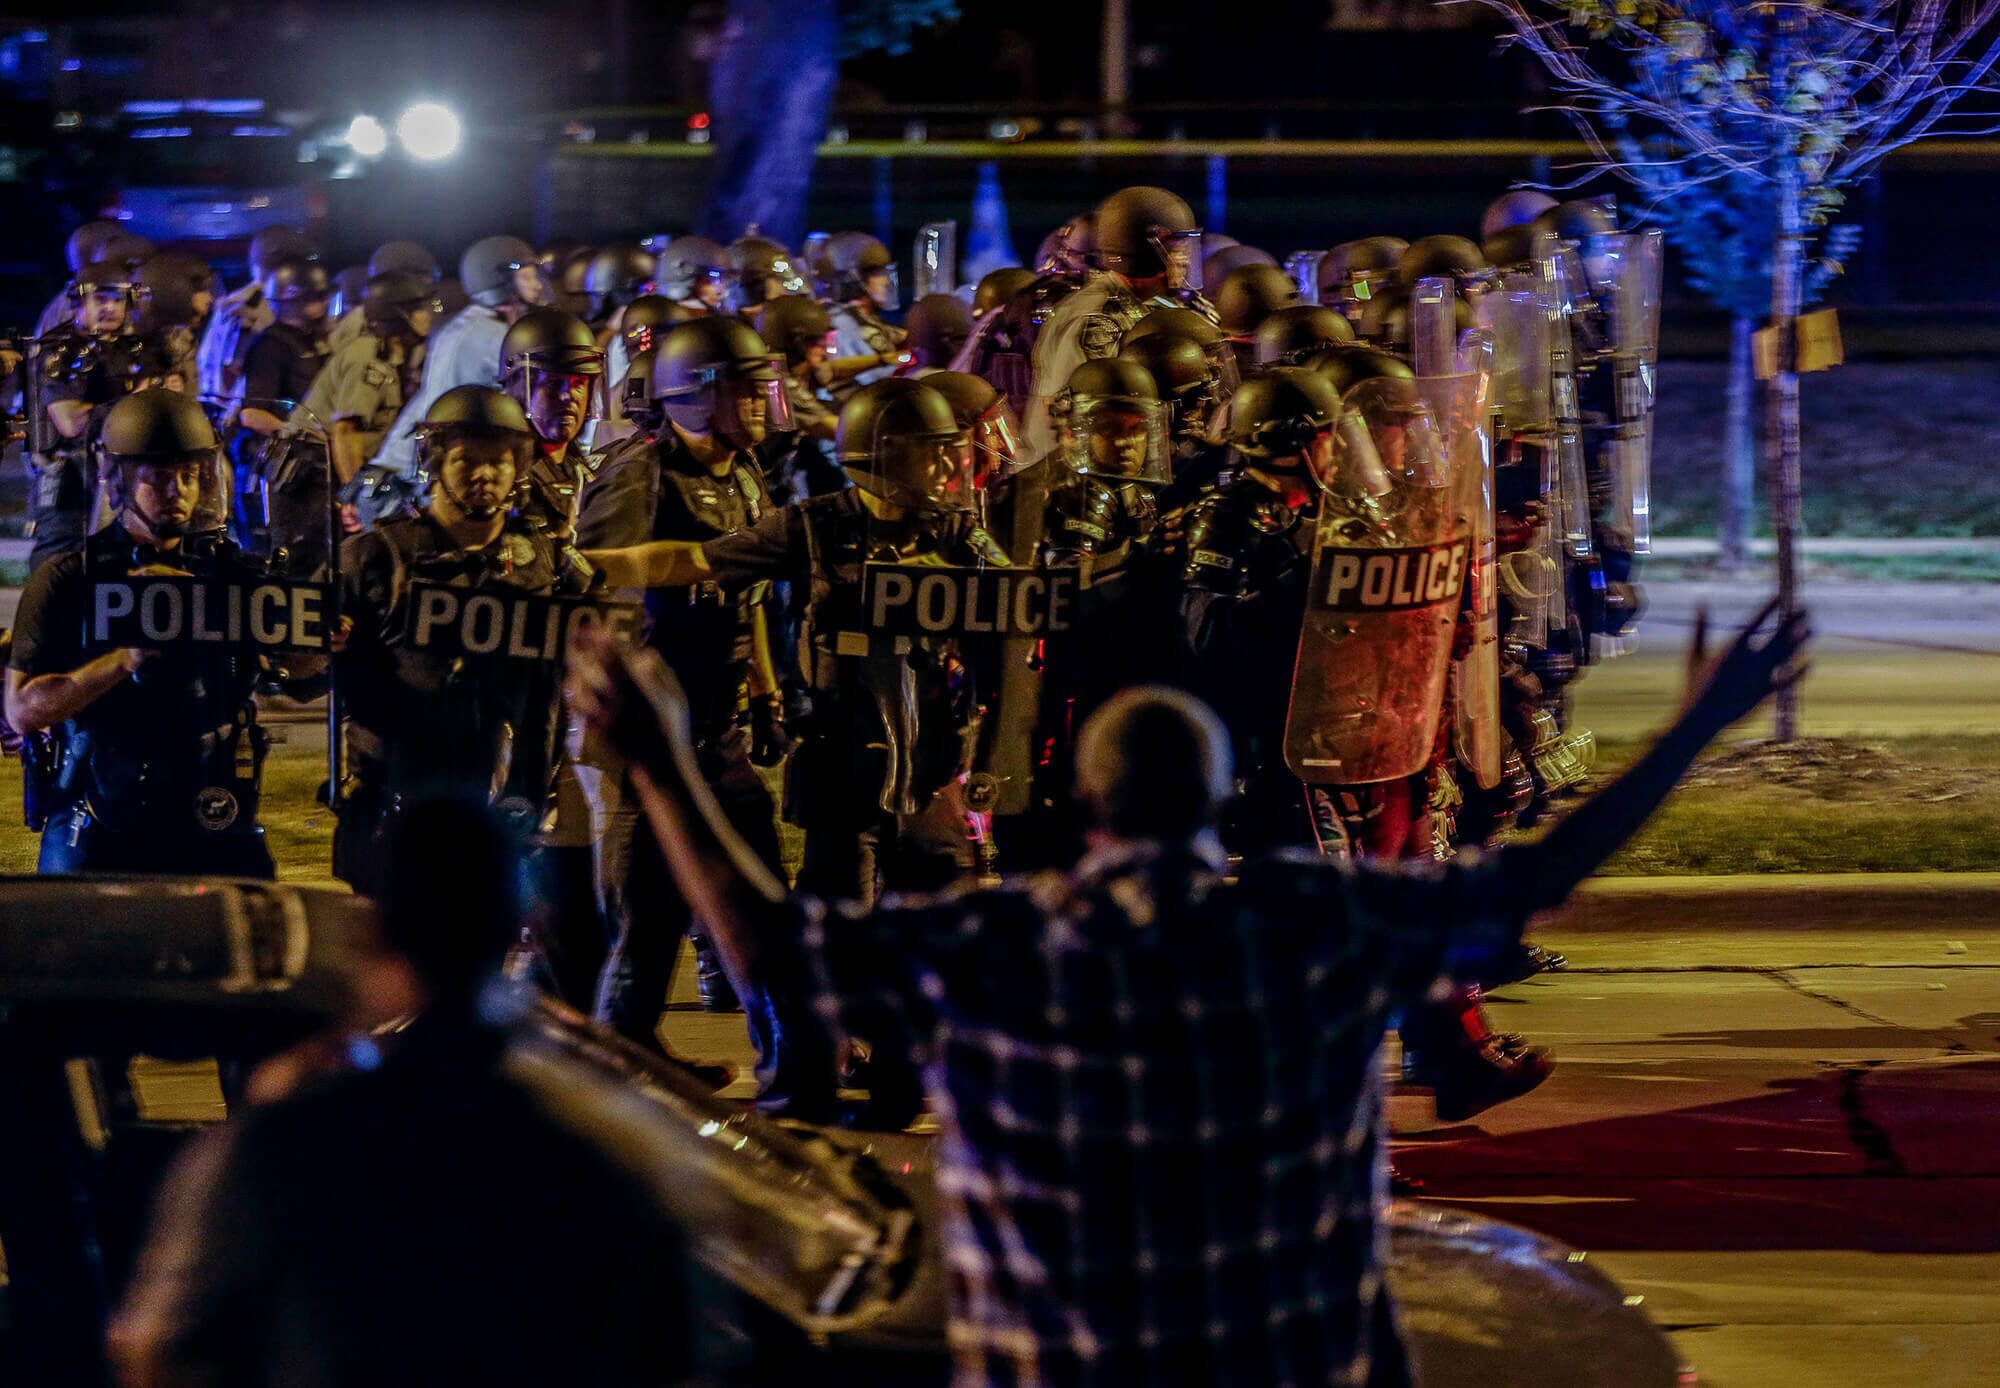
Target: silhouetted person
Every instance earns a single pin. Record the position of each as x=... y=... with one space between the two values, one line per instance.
x=433 y=1215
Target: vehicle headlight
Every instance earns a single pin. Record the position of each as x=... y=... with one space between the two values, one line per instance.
x=428 y=131
x=367 y=138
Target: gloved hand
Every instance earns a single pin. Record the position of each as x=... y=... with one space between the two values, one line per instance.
x=770 y=743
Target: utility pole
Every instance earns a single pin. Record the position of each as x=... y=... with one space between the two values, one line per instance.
x=1117 y=64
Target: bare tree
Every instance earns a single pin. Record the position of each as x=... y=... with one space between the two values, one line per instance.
x=1802 y=98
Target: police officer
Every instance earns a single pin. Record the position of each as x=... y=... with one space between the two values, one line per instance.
x=431 y=720
x=1244 y=299
x=278 y=374
x=936 y=328
x=550 y=365
x=874 y=781
x=860 y=279
x=1247 y=570
x=503 y=281
x=712 y=394
x=614 y=277
x=176 y=294
x=85 y=246
x=245 y=312
x=75 y=374
x=760 y=270
x=694 y=273
x=162 y=756
x=1146 y=241
x=361 y=389
x=390 y=258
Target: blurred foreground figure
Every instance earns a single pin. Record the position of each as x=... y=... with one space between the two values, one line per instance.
x=376 y=1226
x=1161 y=1157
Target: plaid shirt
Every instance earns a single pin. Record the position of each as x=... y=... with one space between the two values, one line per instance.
x=1161 y=1159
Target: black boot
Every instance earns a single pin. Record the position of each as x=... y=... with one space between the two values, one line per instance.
x=1465 y=1064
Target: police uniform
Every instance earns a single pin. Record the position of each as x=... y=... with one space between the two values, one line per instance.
x=71 y=365
x=843 y=770
x=161 y=773
x=1085 y=326
x=237 y=320
x=655 y=489
x=465 y=350
x=430 y=720
x=860 y=331
x=358 y=382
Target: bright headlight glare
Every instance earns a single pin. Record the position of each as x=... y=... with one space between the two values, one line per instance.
x=367 y=138
x=428 y=131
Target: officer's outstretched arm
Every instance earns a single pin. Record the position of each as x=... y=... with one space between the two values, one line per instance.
x=42 y=701
x=655 y=564
x=633 y=700
x=1754 y=668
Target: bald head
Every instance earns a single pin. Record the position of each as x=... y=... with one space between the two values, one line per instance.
x=1153 y=763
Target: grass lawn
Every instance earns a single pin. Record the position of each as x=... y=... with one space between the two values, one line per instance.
x=1892 y=805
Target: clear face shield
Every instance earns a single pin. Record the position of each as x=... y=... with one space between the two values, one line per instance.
x=532 y=285
x=1408 y=443
x=173 y=497
x=1115 y=439
x=1180 y=251
x=749 y=409
x=559 y=396
x=995 y=440
x=105 y=309
x=920 y=474
x=1303 y=267
x=884 y=288
x=1345 y=464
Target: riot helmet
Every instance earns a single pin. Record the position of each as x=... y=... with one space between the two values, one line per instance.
x=1288 y=421
x=983 y=412
x=1215 y=269
x=645 y=319
x=499 y=270
x=474 y=445
x=452 y=298
x=1579 y=220
x=104 y=295
x=1113 y=423
x=160 y=451
x=1071 y=249
x=853 y=265
x=1353 y=270
x=1178 y=322
x=1249 y=295
x=549 y=363
x=1149 y=233
x=561 y=251
x=715 y=376
x=1347 y=366
x=617 y=275
x=1512 y=247
x=695 y=268
x=86 y=244
x=1184 y=376
x=1444 y=257
x=937 y=327
x=298 y=291
x=274 y=244
x=899 y=442
x=175 y=291
x=403 y=303
x=762 y=269
x=999 y=287
x=1290 y=335
x=1515 y=208
x=405 y=257
x=348 y=287
x=126 y=249
x=793 y=325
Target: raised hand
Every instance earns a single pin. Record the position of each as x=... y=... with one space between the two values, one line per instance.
x=1764 y=658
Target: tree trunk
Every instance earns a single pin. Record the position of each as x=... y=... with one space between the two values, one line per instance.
x=1739 y=456
x=1781 y=417
x=770 y=92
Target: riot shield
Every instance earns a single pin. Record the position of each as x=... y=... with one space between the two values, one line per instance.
x=1433 y=328
x=1476 y=732
x=1626 y=268
x=934 y=260
x=1388 y=576
x=1571 y=493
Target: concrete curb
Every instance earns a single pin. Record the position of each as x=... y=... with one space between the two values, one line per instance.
x=1922 y=902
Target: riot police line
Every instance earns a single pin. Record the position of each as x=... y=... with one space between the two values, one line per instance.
x=1380 y=505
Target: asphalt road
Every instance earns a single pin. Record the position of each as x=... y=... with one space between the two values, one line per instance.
x=1784 y=1136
